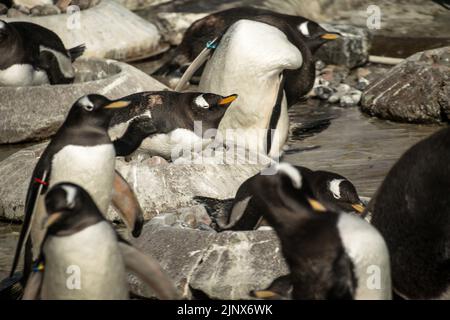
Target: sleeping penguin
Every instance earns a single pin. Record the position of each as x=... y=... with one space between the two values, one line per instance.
x=243 y=212
x=270 y=67
x=167 y=122
x=411 y=209
x=81 y=245
x=214 y=26
x=33 y=55
x=81 y=152
x=330 y=255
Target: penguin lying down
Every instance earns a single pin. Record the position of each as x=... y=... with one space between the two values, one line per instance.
x=82 y=153
x=82 y=257
x=33 y=55
x=330 y=255
x=243 y=212
x=167 y=122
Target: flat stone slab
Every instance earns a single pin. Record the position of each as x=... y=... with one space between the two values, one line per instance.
x=226 y=265
x=159 y=188
x=416 y=90
x=108 y=30
x=35 y=113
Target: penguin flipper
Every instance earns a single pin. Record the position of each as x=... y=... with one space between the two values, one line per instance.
x=138 y=129
x=149 y=270
x=125 y=202
x=33 y=193
x=33 y=287
x=76 y=52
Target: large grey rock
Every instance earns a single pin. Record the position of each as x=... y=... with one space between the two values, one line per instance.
x=416 y=90
x=225 y=265
x=158 y=188
x=35 y=113
x=108 y=30
x=350 y=50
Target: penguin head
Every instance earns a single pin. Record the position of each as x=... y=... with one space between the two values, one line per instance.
x=69 y=209
x=287 y=188
x=94 y=109
x=209 y=107
x=337 y=193
x=315 y=35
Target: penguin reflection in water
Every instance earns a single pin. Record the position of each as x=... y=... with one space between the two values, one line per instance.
x=329 y=254
x=163 y=122
x=243 y=212
x=79 y=237
x=32 y=55
x=81 y=152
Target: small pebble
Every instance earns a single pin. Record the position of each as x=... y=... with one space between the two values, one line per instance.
x=362 y=73
x=341 y=90
x=362 y=84
x=46 y=10
x=351 y=99
x=14 y=13
x=323 y=92
x=320 y=65
x=157 y=161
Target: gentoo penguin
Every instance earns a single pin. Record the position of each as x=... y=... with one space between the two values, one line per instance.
x=243 y=212
x=214 y=26
x=269 y=66
x=330 y=255
x=167 y=122
x=33 y=55
x=82 y=257
x=411 y=209
x=81 y=152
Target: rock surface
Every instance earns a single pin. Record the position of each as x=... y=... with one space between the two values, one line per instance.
x=163 y=188
x=134 y=38
x=35 y=113
x=225 y=265
x=416 y=90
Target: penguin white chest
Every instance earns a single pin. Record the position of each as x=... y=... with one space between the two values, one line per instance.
x=22 y=75
x=91 y=167
x=85 y=265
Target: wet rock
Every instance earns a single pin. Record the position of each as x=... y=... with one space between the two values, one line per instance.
x=416 y=90
x=350 y=99
x=350 y=50
x=158 y=188
x=45 y=10
x=341 y=90
x=225 y=265
x=14 y=13
x=362 y=84
x=3 y=9
x=35 y=113
x=323 y=92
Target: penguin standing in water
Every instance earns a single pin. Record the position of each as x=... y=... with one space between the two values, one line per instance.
x=335 y=192
x=270 y=67
x=166 y=122
x=33 y=55
x=214 y=26
x=81 y=152
x=82 y=245
x=330 y=255
x=411 y=209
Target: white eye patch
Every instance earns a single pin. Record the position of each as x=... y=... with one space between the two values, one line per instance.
x=334 y=187
x=303 y=28
x=2 y=25
x=291 y=172
x=201 y=102
x=86 y=103
x=70 y=195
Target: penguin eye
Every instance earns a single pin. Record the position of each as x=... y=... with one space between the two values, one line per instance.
x=88 y=107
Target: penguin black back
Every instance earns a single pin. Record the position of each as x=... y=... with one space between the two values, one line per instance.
x=412 y=211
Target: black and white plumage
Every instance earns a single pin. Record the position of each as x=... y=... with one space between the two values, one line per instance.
x=411 y=209
x=330 y=255
x=82 y=257
x=215 y=25
x=243 y=212
x=33 y=55
x=164 y=122
x=81 y=152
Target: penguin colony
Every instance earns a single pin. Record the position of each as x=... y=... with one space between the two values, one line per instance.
x=261 y=64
